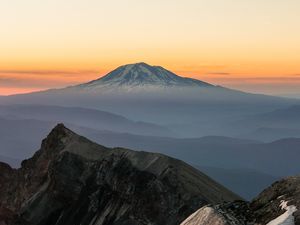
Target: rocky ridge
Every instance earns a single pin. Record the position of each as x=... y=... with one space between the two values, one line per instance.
x=277 y=205
x=72 y=181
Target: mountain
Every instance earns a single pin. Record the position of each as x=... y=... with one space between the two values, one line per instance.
x=141 y=74
x=230 y=161
x=279 y=204
x=278 y=158
x=19 y=144
x=90 y=118
x=279 y=123
x=140 y=92
x=72 y=181
x=268 y=134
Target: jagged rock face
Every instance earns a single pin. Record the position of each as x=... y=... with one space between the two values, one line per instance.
x=268 y=205
x=72 y=181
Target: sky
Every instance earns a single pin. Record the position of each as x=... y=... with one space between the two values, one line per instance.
x=250 y=45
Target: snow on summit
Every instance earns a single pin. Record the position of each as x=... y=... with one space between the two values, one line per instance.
x=142 y=74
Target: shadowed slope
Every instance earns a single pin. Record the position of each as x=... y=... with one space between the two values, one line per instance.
x=72 y=181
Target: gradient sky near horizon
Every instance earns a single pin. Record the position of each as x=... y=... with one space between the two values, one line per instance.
x=251 y=45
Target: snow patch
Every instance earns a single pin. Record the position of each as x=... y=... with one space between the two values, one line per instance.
x=286 y=218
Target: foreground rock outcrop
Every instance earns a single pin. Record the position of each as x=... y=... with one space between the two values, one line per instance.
x=72 y=181
x=276 y=205
x=232 y=213
x=277 y=200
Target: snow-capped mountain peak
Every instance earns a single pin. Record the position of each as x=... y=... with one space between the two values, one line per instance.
x=142 y=74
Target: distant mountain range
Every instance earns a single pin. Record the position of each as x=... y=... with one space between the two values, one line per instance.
x=149 y=108
x=92 y=118
x=280 y=123
x=231 y=161
x=140 y=92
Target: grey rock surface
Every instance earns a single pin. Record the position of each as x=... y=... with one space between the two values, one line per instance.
x=72 y=181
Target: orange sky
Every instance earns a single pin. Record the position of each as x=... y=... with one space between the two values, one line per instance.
x=251 y=45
